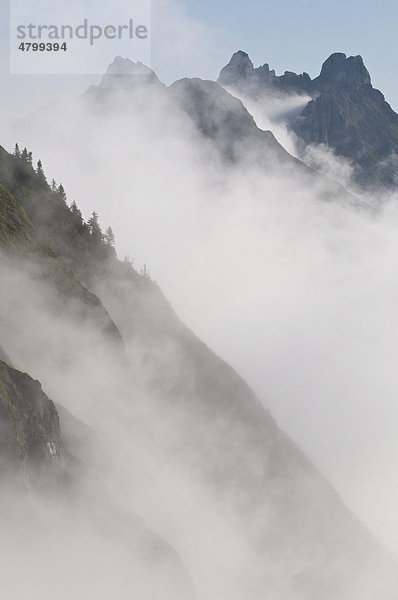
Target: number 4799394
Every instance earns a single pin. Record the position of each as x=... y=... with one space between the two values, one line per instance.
x=42 y=47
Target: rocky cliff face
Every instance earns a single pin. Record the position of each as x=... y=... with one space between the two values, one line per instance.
x=339 y=74
x=30 y=439
x=359 y=125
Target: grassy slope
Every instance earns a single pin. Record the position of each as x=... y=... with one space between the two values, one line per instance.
x=19 y=239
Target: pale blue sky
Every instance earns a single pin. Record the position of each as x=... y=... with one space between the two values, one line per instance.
x=295 y=35
x=299 y=35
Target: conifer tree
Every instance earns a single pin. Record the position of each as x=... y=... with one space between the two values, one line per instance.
x=77 y=216
x=75 y=209
x=94 y=228
x=17 y=152
x=61 y=192
x=40 y=171
x=110 y=237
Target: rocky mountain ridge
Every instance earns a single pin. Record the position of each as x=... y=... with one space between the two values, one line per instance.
x=338 y=74
x=345 y=112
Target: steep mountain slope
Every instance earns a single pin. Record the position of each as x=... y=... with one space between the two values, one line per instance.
x=291 y=519
x=346 y=112
x=45 y=452
x=21 y=242
x=30 y=423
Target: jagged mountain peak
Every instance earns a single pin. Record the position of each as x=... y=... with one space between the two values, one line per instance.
x=239 y=68
x=240 y=73
x=341 y=72
x=123 y=74
x=240 y=61
x=126 y=70
x=126 y=66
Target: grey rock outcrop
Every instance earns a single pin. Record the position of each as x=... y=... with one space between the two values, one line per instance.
x=30 y=439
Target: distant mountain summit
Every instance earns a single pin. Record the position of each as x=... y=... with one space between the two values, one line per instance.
x=123 y=74
x=241 y=75
x=346 y=113
x=340 y=73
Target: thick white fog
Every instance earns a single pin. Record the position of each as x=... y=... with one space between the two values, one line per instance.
x=298 y=295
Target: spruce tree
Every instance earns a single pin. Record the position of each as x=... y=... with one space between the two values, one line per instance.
x=77 y=216
x=94 y=228
x=110 y=237
x=61 y=192
x=75 y=209
x=40 y=171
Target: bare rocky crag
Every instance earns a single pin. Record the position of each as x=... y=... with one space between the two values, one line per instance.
x=30 y=438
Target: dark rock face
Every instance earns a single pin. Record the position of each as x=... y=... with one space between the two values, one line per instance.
x=213 y=110
x=346 y=113
x=359 y=125
x=340 y=73
x=355 y=121
x=239 y=68
x=30 y=437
